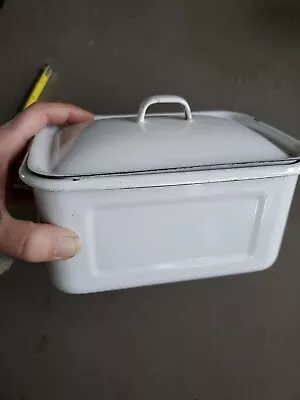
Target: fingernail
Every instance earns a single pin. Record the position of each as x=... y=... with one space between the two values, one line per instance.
x=67 y=247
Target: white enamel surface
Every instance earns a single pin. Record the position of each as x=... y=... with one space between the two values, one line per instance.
x=153 y=235
x=118 y=146
x=150 y=228
x=127 y=181
x=135 y=144
x=38 y=163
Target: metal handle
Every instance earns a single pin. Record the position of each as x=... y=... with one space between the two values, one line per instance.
x=163 y=99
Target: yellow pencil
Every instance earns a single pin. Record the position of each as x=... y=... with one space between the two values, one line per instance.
x=38 y=87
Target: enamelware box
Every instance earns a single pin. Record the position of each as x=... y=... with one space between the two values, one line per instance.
x=165 y=197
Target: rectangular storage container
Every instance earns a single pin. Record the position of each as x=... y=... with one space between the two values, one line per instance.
x=164 y=198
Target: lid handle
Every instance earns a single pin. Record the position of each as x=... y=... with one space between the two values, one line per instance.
x=163 y=99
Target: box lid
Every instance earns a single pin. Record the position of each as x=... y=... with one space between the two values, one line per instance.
x=119 y=145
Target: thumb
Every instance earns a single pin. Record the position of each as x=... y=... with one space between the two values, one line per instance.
x=36 y=242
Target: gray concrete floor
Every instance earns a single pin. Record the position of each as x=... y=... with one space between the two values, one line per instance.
x=231 y=338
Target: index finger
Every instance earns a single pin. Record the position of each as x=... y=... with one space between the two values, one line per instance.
x=38 y=116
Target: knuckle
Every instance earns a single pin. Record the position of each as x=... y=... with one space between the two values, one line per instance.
x=35 y=107
x=28 y=247
x=3 y=215
x=34 y=247
x=32 y=111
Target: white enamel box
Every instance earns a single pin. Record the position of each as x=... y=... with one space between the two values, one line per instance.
x=164 y=197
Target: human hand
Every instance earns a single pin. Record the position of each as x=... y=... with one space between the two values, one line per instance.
x=24 y=239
